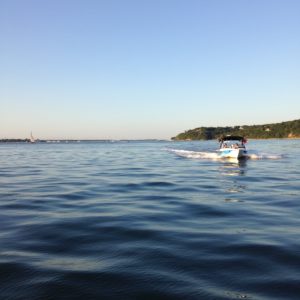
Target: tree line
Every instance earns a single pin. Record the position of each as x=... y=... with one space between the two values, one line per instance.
x=289 y=129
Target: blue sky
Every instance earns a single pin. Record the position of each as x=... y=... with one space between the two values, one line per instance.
x=146 y=69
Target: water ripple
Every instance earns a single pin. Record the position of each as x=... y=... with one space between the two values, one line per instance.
x=132 y=221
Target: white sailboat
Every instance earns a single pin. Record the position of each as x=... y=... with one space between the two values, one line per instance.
x=32 y=139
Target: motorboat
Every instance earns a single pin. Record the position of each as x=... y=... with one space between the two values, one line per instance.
x=232 y=146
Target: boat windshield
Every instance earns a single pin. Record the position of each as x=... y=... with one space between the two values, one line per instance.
x=232 y=144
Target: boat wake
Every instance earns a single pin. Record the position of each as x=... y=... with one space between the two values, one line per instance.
x=216 y=156
x=195 y=154
x=264 y=156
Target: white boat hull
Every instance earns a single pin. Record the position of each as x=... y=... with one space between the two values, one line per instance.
x=233 y=153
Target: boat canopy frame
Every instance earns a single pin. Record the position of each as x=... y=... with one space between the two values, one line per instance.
x=232 y=138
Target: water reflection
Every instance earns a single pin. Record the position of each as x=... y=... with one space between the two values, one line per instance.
x=233 y=167
x=230 y=171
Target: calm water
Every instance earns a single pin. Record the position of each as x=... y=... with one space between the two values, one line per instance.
x=149 y=220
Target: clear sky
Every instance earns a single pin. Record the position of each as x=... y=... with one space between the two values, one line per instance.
x=146 y=68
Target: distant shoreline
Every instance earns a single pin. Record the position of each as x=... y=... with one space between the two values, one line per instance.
x=77 y=140
x=27 y=141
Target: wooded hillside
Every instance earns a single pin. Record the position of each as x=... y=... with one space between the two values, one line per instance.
x=290 y=129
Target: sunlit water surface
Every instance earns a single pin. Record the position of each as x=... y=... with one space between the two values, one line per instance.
x=149 y=220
